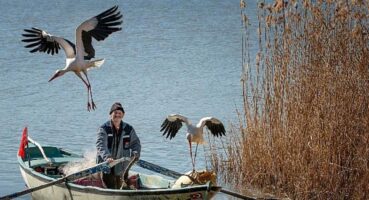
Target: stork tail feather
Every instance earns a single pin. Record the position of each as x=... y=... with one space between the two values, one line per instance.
x=97 y=63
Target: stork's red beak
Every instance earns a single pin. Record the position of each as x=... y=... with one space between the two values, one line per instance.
x=52 y=78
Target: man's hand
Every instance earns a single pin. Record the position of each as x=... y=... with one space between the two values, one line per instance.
x=109 y=160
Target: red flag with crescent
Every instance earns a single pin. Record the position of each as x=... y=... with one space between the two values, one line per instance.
x=23 y=143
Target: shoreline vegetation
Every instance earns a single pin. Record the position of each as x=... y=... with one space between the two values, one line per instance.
x=303 y=131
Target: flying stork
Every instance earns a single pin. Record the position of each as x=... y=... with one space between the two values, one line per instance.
x=78 y=57
x=195 y=133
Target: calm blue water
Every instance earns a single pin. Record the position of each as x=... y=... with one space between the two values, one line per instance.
x=171 y=57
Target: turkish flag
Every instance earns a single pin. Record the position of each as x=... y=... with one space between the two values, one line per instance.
x=23 y=143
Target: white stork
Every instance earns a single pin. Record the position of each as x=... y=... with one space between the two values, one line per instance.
x=78 y=56
x=173 y=123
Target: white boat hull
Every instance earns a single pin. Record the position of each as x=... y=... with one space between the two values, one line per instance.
x=72 y=191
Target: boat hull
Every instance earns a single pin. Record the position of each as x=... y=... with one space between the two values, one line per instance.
x=69 y=191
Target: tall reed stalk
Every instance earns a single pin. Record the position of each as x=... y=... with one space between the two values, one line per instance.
x=303 y=132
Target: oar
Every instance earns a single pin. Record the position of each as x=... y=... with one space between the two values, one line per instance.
x=102 y=167
x=167 y=172
x=158 y=169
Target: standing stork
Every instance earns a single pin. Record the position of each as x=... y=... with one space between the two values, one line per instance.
x=195 y=133
x=78 y=56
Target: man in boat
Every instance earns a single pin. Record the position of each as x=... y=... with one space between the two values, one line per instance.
x=116 y=139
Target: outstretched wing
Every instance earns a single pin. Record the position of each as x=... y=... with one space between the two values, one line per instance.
x=98 y=27
x=172 y=124
x=215 y=126
x=42 y=41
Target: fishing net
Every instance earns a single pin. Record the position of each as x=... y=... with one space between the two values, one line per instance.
x=196 y=178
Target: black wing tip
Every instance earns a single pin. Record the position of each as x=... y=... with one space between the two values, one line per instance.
x=34 y=50
x=108 y=12
x=216 y=130
x=164 y=126
x=116 y=29
x=35 y=40
x=168 y=129
x=30 y=40
x=113 y=8
x=164 y=122
x=27 y=35
x=32 y=31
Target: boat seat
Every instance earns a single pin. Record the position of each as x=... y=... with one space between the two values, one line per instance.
x=54 y=154
x=54 y=161
x=35 y=152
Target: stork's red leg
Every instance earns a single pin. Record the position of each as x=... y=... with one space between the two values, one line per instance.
x=88 y=90
x=192 y=160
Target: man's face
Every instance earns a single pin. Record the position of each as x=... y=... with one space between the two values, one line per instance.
x=117 y=116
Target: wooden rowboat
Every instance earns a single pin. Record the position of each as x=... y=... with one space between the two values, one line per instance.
x=43 y=165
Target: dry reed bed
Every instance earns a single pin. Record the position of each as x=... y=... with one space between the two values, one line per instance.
x=304 y=128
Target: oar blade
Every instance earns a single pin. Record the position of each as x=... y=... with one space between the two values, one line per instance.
x=158 y=169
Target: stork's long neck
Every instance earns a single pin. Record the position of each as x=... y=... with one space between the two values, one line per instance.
x=191 y=128
x=64 y=70
x=195 y=134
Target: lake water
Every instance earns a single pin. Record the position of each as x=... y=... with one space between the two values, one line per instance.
x=171 y=57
